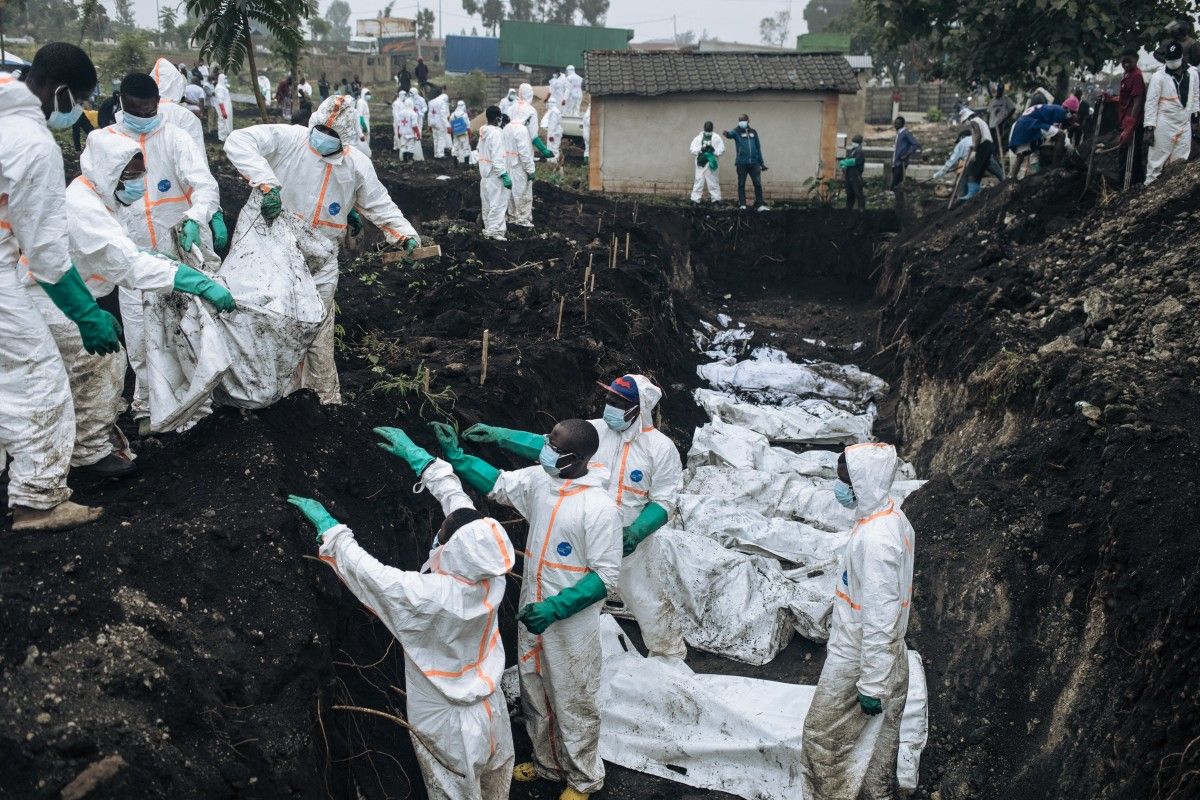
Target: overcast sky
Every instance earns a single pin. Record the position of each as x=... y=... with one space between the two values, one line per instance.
x=729 y=20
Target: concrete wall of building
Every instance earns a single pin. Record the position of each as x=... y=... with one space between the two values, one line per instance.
x=640 y=144
x=852 y=110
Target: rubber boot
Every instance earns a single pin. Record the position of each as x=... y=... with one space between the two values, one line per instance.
x=62 y=517
x=111 y=466
x=407 y=157
x=972 y=189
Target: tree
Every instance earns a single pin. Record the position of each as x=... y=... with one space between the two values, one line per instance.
x=774 y=30
x=490 y=11
x=387 y=10
x=92 y=17
x=9 y=9
x=319 y=28
x=225 y=35
x=686 y=38
x=913 y=56
x=1024 y=41
x=130 y=55
x=125 y=19
x=425 y=21
x=338 y=17
x=521 y=10
x=820 y=14
x=593 y=11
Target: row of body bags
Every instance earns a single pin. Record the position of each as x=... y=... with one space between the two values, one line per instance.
x=251 y=357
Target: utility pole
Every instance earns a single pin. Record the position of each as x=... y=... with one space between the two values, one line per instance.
x=439 y=19
x=675 y=29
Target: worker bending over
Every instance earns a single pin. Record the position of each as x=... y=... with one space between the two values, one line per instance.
x=37 y=419
x=445 y=618
x=495 y=185
x=1038 y=125
x=866 y=668
x=1172 y=106
x=983 y=148
x=572 y=557
x=319 y=176
x=645 y=475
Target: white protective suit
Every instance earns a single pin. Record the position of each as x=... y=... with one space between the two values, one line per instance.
x=508 y=103
x=524 y=112
x=264 y=88
x=573 y=528
x=1171 y=117
x=420 y=105
x=178 y=187
x=408 y=131
x=704 y=175
x=644 y=467
x=37 y=420
x=439 y=124
x=224 y=104
x=552 y=122
x=587 y=133
x=171 y=84
x=866 y=651
x=493 y=197
x=445 y=619
x=363 y=142
x=519 y=152
x=558 y=90
x=574 y=93
x=105 y=257
x=397 y=110
x=461 y=149
x=321 y=190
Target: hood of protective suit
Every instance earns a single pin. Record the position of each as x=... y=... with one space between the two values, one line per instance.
x=444 y=98
x=871 y=466
x=570 y=70
x=512 y=93
x=648 y=397
x=170 y=80
x=104 y=159
x=408 y=104
x=476 y=551
x=17 y=101
x=222 y=81
x=460 y=106
x=340 y=113
x=525 y=92
x=366 y=94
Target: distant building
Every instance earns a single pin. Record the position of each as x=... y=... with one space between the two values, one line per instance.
x=665 y=97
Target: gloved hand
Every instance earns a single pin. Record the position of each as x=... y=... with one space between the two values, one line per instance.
x=540 y=146
x=765 y=167
x=507 y=181
x=195 y=282
x=398 y=443
x=189 y=235
x=362 y=123
x=411 y=244
x=570 y=601
x=1149 y=137
x=523 y=443
x=219 y=231
x=846 y=163
x=355 y=222
x=315 y=513
x=272 y=204
x=651 y=518
x=869 y=705
x=531 y=176
x=478 y=474
x=100 y=331
x=448 y=441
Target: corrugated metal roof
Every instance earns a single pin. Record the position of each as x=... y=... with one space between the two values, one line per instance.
x=653 y=73
x=860 y=62
x=545 y=44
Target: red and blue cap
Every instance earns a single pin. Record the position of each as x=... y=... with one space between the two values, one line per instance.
x=624 y=387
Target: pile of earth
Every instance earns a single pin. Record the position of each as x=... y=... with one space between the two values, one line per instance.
x=1047 y=347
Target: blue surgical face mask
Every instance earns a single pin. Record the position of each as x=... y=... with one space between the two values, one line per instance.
x=139 y=125
x=64 y=119
x=323 y=143
x=549 y=459
x=743 y=124
x=844 y=494
x=614 y=418
x=131 y=190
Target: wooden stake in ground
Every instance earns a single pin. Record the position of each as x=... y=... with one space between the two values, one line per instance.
x=635 y=208
x=558 y=331
x=626 y=245
x=483 y=359
x=599 y=222
x=591 y=257
x=587 y=278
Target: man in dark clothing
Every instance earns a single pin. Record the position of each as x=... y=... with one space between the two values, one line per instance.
x=107 y=115
x=1131 y=113
x=404 y=78
x=355 y=86
x=749 y=161
x=905 y=148
x=422 y=74
x=1000 y=114
x=323 y=86
x=852 y=167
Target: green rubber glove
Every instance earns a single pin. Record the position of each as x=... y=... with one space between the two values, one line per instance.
x=315 y=513
x=712 y=161
x=272 y=204
x=570 y=601
x=195 y=282
x=100 y=331
x=362 y=123
x=398 y=443
x=869 y=705
x=846 y=163
x=355 y=222
x=479 y=475
x=652 y=518
x=412 y=243
x=531 y=177
x=523 y=443
x=507 y=181
x=219 y=231
x=189 y=235
x=540 y=146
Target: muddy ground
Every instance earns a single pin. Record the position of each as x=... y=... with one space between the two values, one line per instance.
x=189 y=634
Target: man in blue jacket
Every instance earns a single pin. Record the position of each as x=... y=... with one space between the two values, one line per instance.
x=906 y=147
x=749 y=160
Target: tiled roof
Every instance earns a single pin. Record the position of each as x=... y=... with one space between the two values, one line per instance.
x=654 y=73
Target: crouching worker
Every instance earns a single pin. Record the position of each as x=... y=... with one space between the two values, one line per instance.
x=645 y=475
x=572 y=555
x=318 y=175
x=445 y=619
x=866 y=669
x=113 y=179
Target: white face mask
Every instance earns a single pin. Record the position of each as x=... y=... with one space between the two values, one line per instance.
x=1175 y=63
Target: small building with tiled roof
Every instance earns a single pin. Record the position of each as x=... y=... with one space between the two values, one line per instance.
x=647 y=106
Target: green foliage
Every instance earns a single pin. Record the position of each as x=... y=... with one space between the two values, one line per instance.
x=320 y=28
x=130 y=55
x=566 y=12
x=125 y=20
x=338 y=17
x=425 y=22
x=775 y=30
x=93 y=20
x=820 y=14
x=470 y=88
x=933 y=115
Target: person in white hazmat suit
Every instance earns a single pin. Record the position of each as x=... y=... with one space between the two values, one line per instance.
x=439 y=124
x=171 y=83
x=706 y=148
x=397 y=109
x=224 y=105
x=574 y=93
x=421 y=107
x=508 y=103
x=521 y=171
x=572 y=558
x=1172 y=104
x=114 y=177
x=37 y=418
x=645 y=475
x=445 y=618
x=363 y=143
x=495 y=185
x=408 y=132
x=866 y=668
x=316 y=174
x=460 y=121
x=587 y=134
x=552 y=122
x=264 y=88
